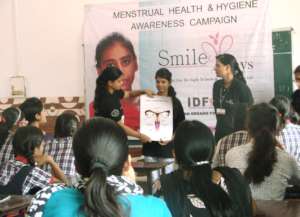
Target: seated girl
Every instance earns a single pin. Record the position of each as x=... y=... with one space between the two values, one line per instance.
x=198 y=190
x=10 y=119
x=30 y=112
x=264 y=163
x=60 y=147
x=101 y=156
x=21 y=175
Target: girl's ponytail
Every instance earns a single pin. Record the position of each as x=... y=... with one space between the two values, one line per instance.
x=100 y=198
x=216 y=200
x=171 y=91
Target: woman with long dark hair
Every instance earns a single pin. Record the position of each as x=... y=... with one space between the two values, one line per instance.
x=267 y=167
x=60 y=147
x=101 y=157
x=157 y=151
x=108 y=94
x=198 y=190
x=228 y=93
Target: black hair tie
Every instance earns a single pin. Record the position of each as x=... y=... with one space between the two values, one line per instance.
x=99 y=164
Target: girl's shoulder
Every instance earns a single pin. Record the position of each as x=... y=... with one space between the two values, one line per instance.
x=138 y=204
x=218 y=83
x=40 y=199
x=239 y=84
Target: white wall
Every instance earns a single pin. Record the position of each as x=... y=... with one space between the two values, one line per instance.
x=50 y=37
x=286 y=14
x=7 y=54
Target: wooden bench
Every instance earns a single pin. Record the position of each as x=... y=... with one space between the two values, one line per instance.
x=146 y=168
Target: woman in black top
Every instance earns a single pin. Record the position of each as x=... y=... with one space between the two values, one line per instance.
x=157 y=151
x=229 y=94
x=108 y=94
x=195 y=189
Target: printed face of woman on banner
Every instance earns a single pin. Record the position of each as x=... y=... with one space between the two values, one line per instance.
x=120 y=56
x=115 y=49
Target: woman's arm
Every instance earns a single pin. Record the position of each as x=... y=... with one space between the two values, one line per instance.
x=131 y=132
x=57 y=173
x=216 y=94
x=135 y=93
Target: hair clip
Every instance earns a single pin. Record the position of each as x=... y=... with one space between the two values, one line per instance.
x=201 y=163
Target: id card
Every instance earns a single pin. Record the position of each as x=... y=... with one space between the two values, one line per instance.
x=220 y=111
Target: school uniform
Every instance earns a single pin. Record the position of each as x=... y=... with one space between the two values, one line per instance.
x=6 y=150
x=179 y=196
x=227 y=102
x=32 y=179
x=110 y=105
x=68 y=201
x=61 y=151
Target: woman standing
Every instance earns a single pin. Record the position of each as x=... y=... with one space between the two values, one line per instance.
x=117 y=50
x=229 y=94
x=161 y=151
x=108 y=95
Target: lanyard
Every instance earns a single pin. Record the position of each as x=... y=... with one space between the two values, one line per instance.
x=223 y=94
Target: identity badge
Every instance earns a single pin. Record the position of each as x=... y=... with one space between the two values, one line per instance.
x=220 y=111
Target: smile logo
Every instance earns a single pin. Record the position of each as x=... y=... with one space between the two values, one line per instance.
x=217 y=45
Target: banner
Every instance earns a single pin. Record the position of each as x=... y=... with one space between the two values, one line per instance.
x=185 y=37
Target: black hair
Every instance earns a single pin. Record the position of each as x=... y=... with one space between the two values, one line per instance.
x=166 y=74
x=228 y=59
x=10 y=118
x=25 y=140
x=66 y=124
x=297 y=69
x=110 y=73
x=109 y=41
x=262 y=124
x=31 y=107
x=100 y=149
x=194 y=145
x=296 y=101
x=283 y=105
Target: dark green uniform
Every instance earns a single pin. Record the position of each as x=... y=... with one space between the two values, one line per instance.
x=110 y=105
x=227 y=102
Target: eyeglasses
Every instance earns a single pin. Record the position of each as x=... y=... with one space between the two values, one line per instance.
x=153 y=114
